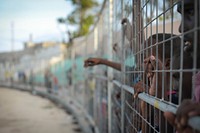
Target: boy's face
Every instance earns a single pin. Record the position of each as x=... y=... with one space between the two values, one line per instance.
x=152 y=50
x=186 y=77
x=188 y=19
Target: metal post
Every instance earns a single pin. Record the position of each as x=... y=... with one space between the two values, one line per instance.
x=72 y=51
x=123 y=73
x=12 y=36
x=110 y=71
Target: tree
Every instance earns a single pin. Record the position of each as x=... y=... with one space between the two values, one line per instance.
x=81 y=16
x=153 y=5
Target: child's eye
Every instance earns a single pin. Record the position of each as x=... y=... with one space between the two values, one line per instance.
x=176 y=76
x=190 y=11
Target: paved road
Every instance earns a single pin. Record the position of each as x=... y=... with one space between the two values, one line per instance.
x=21 y=112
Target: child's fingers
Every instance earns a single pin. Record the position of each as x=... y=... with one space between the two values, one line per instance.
x=184 y=107
x=170 y=117
x=194 y=113
x=138 y=88
x=85 y=63
x=124 y=20
x=153 y=62
x=146 y=60
x=88 y=63
x=183 y=121
x=135 y=95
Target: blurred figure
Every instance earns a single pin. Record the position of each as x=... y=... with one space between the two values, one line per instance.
x=69 y=77
x=24 y=78
x=31 y=82
x=47 y=80
x=55 y=84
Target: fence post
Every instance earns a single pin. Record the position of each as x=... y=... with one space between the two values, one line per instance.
x=73 y=71
x=123 y=72
x=110 y=71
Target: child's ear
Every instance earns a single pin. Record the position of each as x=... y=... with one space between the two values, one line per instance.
x=167 y=63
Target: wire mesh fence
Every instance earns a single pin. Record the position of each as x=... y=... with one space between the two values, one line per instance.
x=156 y=44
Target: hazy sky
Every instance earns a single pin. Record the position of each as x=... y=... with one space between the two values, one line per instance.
x=36 y=17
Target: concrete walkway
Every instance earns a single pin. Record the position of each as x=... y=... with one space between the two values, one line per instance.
x=21 y=112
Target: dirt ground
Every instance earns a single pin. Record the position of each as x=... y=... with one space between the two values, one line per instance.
x=21 y=112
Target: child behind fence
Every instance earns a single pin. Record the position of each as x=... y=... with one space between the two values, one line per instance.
x=149 y=83
x=189 y=9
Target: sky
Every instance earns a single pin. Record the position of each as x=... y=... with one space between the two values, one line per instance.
x=36 y=18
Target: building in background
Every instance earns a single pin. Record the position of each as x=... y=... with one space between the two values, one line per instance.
x=35 y=57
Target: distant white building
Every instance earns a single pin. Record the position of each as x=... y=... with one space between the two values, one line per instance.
x=33 y=58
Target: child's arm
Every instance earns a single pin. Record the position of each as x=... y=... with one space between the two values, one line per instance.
x=100 y=61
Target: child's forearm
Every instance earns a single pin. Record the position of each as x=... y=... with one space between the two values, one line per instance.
x=114 y=65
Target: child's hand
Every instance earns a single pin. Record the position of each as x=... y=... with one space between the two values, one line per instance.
x=186 y=110
x=150 y=66
x=138 y=88
x=127 y=29
x=92 y=62
x=124 y=20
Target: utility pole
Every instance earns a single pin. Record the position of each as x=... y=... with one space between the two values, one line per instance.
x=11 y=64
x=12 y=37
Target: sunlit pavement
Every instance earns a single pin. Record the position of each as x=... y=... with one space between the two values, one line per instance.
x=21 y=112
